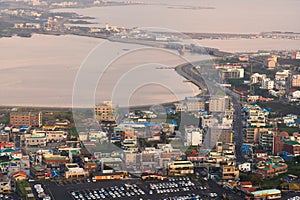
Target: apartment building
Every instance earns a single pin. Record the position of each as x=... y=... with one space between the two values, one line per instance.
x=266 y=140
x=257 y=78
x=267 y=84
x=194 y=104
x=253 y=133
x=257 y=117
x=217 y=134
x=19 y=119
x=105 y=111
x=296 y=80
x=219 y=103
x=237 y=73
x=270 y=63
x=193 y=136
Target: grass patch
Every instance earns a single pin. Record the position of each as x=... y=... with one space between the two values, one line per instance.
x=281 y=108
x=291 y=186
x=20 y=186
x=290 y=130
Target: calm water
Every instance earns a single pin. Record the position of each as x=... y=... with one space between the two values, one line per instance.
x=252 y=45
x=231 y=16
x=42 y=70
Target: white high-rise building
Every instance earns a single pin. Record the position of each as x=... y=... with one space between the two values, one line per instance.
x=267 y=83
x=193 y=136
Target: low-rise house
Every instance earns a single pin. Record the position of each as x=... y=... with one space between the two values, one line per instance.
x=229 y=172
x=90 y=166
x=37 y=140
x=270 y=62
x=5 y=185
x=56 y=135
x=74 y=171
x=245 y=167
x=270 y=169
x=83 y=136
x=296 y=94
x=8 y=151
x=97 y=135
x=62 y=125
x=266 y=194
x=291 y=147
x=246 y=187
x=19 y=176
x=37 y=171
x=180 y=168
x=7 y=145
x=110 y=176
x=54 y=160
x=4 y=136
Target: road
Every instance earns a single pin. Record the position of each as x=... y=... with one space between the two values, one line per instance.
x=189 y=73
x=219 y=189
x=238 y=130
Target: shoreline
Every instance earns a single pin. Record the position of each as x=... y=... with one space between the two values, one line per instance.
x=219 y=46
x=177 y=69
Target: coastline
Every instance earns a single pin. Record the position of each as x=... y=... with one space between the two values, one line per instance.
x=66 y=67
x=178 y=70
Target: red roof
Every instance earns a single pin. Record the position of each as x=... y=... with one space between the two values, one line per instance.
x=245 y=183
x=18 y=152
x=20 y=173
x=252 y=189
x=284 y=134
x=6 y=144
x=260 y=159
x=296 y=134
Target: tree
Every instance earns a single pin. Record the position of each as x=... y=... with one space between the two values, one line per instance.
x=255 y=178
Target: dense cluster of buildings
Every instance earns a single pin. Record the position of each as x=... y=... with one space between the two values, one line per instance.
x=151 y=146
x=145 y=145
x=284 y=83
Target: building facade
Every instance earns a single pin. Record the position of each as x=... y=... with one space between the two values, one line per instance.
x=296 y=80
x=36 y=141
x=105 y=111
x=219 y=104
x=26 y=119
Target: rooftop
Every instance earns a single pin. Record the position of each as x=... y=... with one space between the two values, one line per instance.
x=290 y=142
x=264 y=192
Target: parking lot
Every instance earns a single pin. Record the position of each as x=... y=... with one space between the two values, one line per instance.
x=124 y=191
x=178 y=188
x=40 y=192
